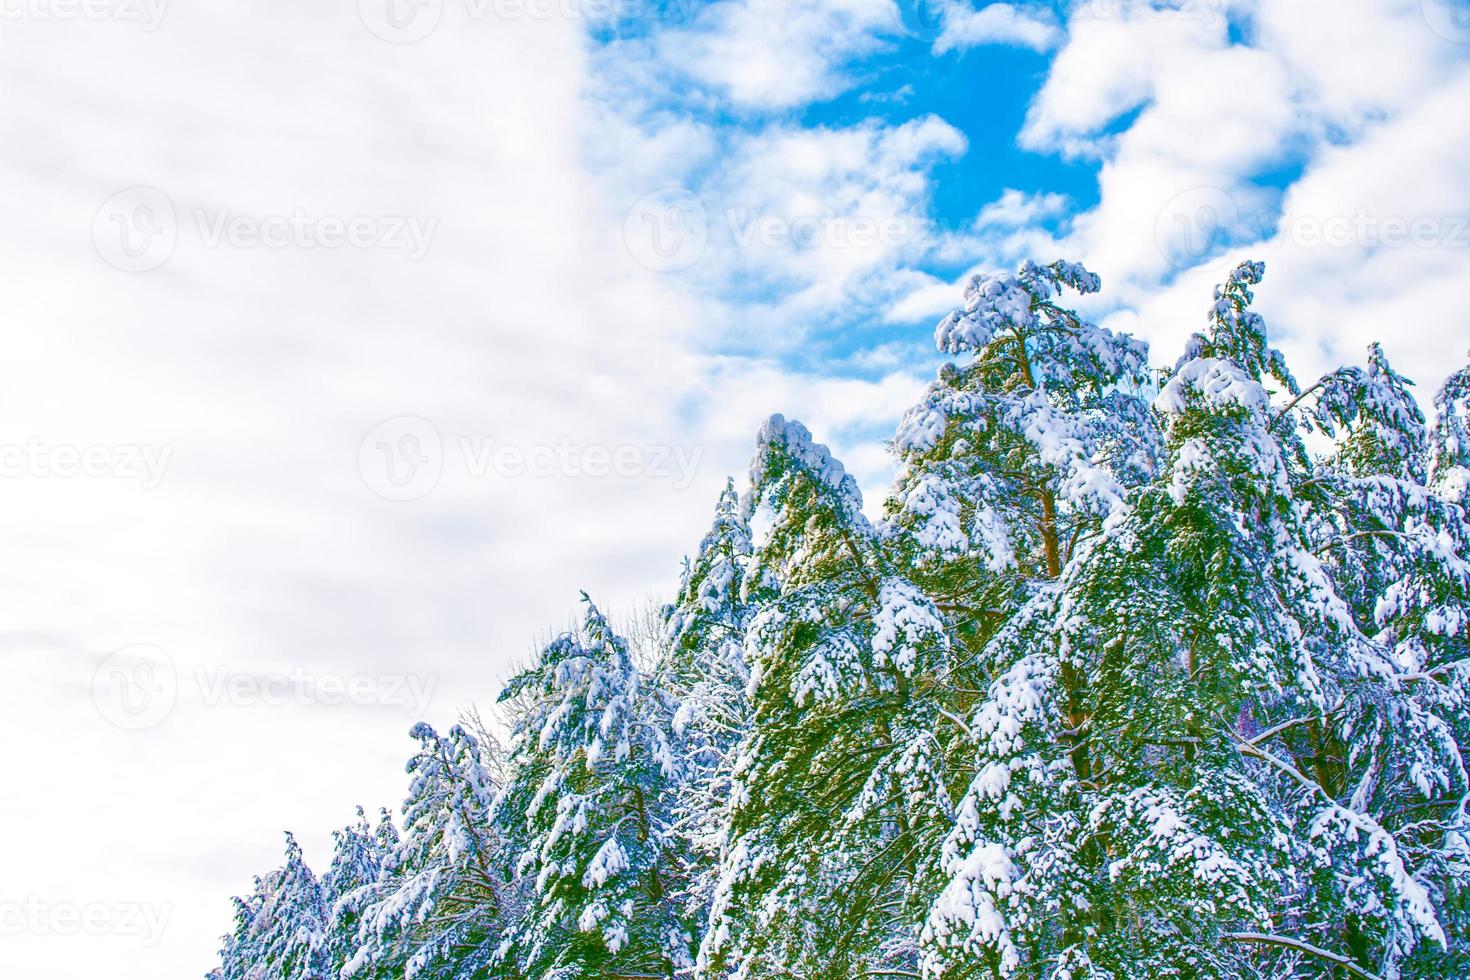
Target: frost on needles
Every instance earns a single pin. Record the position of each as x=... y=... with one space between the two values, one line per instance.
x=1138 y=674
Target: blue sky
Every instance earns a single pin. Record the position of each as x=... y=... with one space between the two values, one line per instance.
x=982 y=92
x=1157 y=141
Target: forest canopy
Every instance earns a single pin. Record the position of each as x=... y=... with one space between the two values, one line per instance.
x=1141 y=673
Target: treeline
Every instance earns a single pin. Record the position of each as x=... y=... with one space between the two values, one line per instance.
x=1141 y=674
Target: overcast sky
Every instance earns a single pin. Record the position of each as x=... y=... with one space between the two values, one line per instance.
x=346 y=342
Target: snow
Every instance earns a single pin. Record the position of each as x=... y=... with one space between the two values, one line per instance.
x=816 y=691
x=906 y=622
x=794 y=441
x=1219 y=384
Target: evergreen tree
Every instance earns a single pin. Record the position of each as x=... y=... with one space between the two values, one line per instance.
x=1158 y=830
x=362 y=859
x=1011 y=460
x=1115 y=689
x=1398 y=552
x=281 y=929
x=705 y=674
x=582 y=815
x=241 y=955
x=1450 y=440
x=438 y=911
x=840 y=775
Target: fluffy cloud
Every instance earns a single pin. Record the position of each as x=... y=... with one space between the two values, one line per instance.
x=534 y=322
x=776 y=54
x=966 y=26
x=819 y=218
x=1193 y=122
x=263 y=354
x=1371 y=243
x=1015 y=209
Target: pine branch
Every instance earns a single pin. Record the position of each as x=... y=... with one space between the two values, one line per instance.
x=1426 y=675
x=964 y=726
x=1293 y=403
x=1272 y=732
x=1286 y=942
x=1360 y=534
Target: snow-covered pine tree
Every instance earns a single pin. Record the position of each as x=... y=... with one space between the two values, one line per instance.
x=1197 y=676
x=704 y=673
x=1398 y=554
x=1202 y=633
x=840 y=776
x=582 y=815
x=363 y=857
x=1395 y=547
x=295 y=943
x=1015 y=459
x=1024 y=848
x=1010 y=460
x=1384 y=433
x=1449 y=662
x=438 y=912
x=1370 y=517
x=1007 y=464
x=281 y=929
x=1450 y=439
x=241 y=955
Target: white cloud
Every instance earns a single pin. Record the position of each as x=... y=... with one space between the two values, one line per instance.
x=1107 y=67
x=1374 y=148
x=777 y=54
x=1015 y=209
x=967 y=26
x=262 y=369
x=1179 y=197
x=1323 y=45
x=926 y=297
x=805 y=224
x=530 y=322
x=1374 y=244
